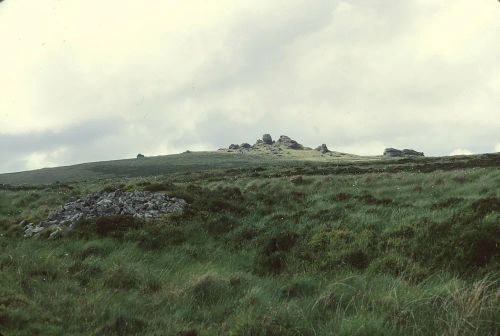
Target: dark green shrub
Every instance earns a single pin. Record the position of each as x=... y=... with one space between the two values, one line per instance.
x=461 y=244
x=111 y=226
x=158 y=235
x=163 y=186
x=123 y=326
x=220 y=224
x=484 y=206
x=447 y=203
x=190 y=332
x=331 y=248
x=341 y=197
x=209 y=290
x=301 y=287
x=121 y=277
x=84 y=271
x=272 y=258
x=95 y=248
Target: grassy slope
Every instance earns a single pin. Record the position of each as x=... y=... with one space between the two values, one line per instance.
x=186 y=162
x=398 y=247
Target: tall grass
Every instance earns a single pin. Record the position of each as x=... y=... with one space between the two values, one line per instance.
x=401 y=253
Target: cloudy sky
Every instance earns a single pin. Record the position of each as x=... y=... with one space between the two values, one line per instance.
x=96 y=80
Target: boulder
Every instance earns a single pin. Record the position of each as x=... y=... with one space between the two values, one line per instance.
x=411 y=152
x=393 y=152
x=267 y=139
x=246 y=145
x=323 y=149
x=140 y=156
x=234 y=146
x=288 y=142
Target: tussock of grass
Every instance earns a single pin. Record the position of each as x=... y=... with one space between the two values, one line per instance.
x=366 y=249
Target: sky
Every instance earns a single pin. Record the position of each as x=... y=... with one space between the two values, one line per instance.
x=95 y=80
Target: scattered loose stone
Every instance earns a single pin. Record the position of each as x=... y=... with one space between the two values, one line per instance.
x=138 y=204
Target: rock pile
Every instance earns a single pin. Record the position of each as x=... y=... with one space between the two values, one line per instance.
x=138 y=204
x=288 y=142
x=393 y=152
x=267 y=142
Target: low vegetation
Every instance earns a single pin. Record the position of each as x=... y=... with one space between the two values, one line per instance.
x=399 y=247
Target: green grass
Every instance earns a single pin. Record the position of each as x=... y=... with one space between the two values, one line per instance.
x=389 y=247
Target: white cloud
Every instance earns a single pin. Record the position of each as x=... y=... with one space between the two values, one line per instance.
x=461 y=151
x=194 y=74
x=45 y=159
x=368 y=148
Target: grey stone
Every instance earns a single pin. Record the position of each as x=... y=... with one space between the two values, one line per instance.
x=234 y=146
x=246 y=145
x=140 y=156
x=411 y=152
x=267 y=139
x=139 y=204
x=288 y=142
x=392 y=152
x=323 y=149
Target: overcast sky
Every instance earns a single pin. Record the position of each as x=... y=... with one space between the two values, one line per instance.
x=96 y=80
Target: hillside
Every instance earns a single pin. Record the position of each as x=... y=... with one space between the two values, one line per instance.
x=298 y=244
x=167 y=164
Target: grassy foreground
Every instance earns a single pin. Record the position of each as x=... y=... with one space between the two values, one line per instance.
x=382 y=248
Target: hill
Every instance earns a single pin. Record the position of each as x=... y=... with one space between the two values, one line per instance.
x=299 y=244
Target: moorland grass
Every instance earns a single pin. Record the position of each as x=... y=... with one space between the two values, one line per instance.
x=260 y=252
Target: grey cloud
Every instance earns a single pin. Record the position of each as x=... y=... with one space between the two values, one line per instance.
x=305 y=70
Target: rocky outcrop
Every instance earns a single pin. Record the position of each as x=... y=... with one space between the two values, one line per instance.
x=393 y=152
x=323 y=149
x=245 y=145
x=138 y=204
x=267 y=143
x=267 y=139
x=288 y=142
x=140 y=156
x=411 y=152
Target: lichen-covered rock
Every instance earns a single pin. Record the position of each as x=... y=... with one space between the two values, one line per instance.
x=411 y=152
x=288 y=142
x=139 y=204
x=267 y=139
x=393 y=152
x=323 y=149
